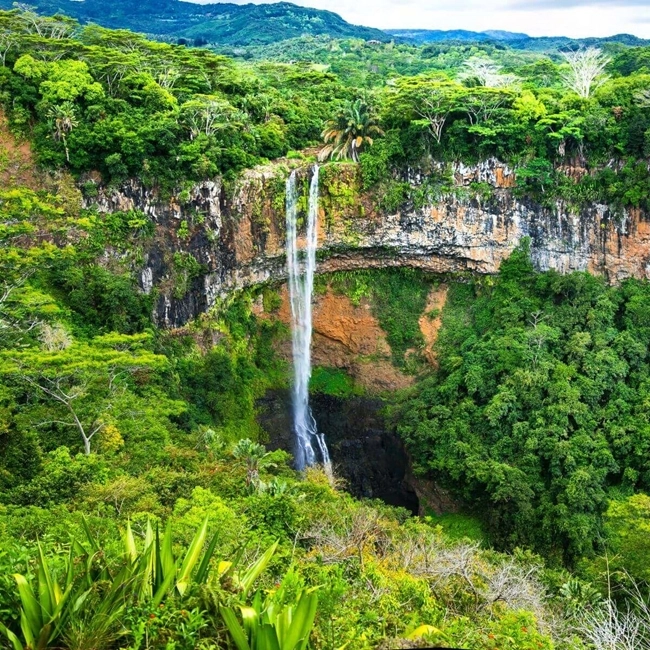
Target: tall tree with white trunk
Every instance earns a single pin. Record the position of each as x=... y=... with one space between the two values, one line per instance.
x=586 y=70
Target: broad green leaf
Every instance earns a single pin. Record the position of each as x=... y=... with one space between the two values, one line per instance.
x=89 y=536
x=191 y=558
x=159 y=575
x=268 y=639
x=31 y=620
x=303 y=620
x=46 y=595
x=247 y=580
x=235 y=629
x=250 y=619
x=129 y=544
x=164 y=588
x=166 y=552
x=202 y=572
x=15 y=641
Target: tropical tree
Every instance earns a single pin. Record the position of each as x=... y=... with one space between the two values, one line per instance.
x=481 y=104
x=254 y=456
x=63 y=119
x=586 y=70
x=426 y=100
x=208 y=114
x=29 y=223
x=81 y=380
x=349 y=132
x=642 y=98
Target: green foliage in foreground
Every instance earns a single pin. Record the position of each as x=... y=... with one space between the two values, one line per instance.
x=350 y=573
x=86 y=608
x=540 y=406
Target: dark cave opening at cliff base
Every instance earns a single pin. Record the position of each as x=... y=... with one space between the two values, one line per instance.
x=365 y=452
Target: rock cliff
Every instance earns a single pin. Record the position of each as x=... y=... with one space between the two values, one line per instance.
x=234 y=234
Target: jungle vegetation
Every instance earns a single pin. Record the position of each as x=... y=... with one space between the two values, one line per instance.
x=138 y=505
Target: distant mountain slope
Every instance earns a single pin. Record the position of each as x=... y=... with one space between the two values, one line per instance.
x=222 y=23
x=513 y=39
x=435 y=35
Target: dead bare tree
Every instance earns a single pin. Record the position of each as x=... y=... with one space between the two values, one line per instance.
x=348 y=536
x=487 y=73
x=586 y=70
x=518 y=587
x=608 y=628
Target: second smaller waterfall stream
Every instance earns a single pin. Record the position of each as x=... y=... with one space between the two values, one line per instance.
x=301 y=265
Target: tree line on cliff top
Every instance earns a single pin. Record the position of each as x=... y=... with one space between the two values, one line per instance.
x=111 y=101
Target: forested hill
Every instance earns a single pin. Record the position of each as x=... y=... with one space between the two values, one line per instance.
x=223 y=23
x=511 y=39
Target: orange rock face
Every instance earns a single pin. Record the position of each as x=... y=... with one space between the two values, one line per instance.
x=348 y=337
x=431 y=321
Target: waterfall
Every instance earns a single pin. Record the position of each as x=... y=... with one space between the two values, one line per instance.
x=310 y=446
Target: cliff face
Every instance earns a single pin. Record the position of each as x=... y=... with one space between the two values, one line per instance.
x=235 y=235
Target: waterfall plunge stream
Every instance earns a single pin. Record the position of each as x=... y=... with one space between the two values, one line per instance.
x=310 y=447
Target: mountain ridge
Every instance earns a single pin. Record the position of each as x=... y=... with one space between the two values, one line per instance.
x=220 y=23
x=513 y=39
x=229 y=24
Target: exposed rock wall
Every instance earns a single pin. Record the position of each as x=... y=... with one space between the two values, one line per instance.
x=349 y=337
x=237 y=234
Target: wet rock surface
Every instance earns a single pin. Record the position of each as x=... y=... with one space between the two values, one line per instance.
x=237 y=235
x=365 y=452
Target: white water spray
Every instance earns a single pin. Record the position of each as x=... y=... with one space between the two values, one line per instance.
x=310 y=445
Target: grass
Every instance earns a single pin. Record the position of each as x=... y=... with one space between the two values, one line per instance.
x=332 y=381
x=459 y=526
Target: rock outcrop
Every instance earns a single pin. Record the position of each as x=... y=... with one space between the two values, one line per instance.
x=236 y=235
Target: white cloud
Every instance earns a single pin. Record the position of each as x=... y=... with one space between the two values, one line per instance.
x=575 y=18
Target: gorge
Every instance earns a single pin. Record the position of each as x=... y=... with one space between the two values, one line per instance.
x=237 y=235
x=435 y=258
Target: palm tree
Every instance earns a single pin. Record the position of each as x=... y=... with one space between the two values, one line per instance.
x=64 y=120
x=346 y=135
x=254 y=457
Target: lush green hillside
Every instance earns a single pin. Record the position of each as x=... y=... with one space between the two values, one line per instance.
x=138 y=508
x=512 y=39
x=221 y=23
x=436 y=35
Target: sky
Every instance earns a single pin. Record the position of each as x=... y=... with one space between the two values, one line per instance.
x=574 y=18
